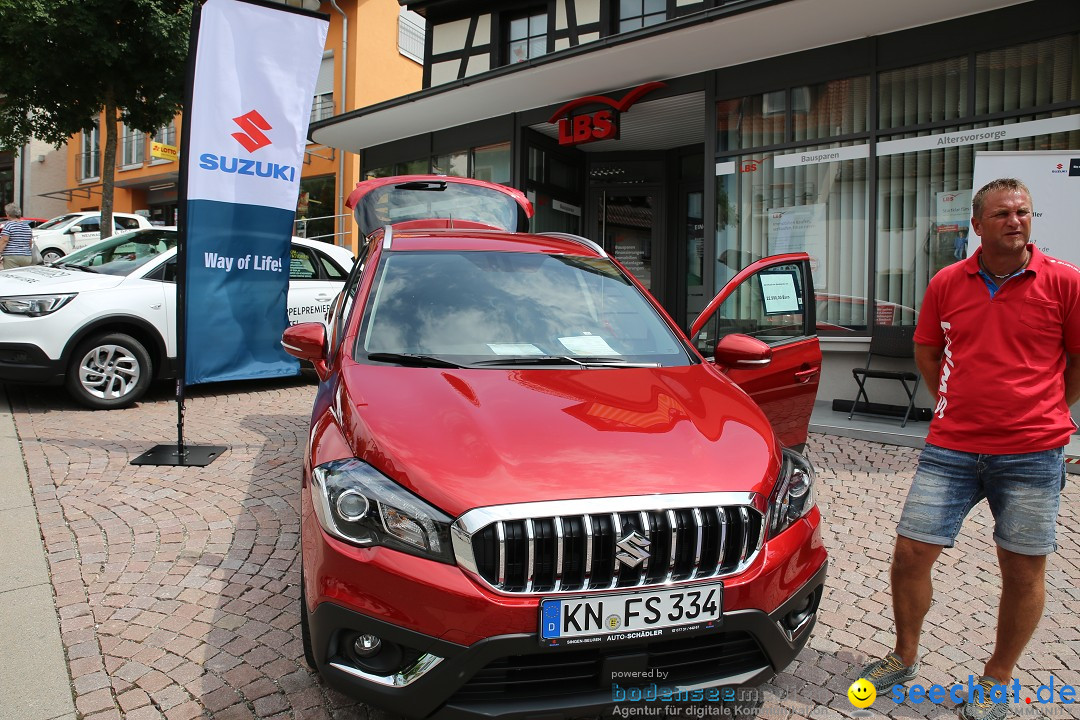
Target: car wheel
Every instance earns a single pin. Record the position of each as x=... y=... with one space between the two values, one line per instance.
x=109 y=371
x=305 y=631
x=51 y=255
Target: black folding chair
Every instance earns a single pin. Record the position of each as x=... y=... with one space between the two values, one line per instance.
x=888 y=341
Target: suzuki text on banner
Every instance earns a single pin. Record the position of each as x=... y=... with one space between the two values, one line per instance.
x=255 y=74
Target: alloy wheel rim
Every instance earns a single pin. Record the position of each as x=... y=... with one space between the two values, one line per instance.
x=109 y=372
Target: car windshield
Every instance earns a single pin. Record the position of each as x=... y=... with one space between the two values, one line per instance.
x=492 y=308
x=56 y=221
x=425 y=200
x=122 y=254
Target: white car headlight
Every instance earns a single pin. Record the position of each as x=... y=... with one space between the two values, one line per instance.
x=34 y=305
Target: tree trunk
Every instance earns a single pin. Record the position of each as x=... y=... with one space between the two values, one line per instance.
x=108 y=166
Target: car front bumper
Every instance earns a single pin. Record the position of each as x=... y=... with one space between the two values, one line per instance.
x=457 y=650
x=28 y=363
x=513 y=676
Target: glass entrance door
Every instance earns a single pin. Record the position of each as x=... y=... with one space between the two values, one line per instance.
x=628 y=227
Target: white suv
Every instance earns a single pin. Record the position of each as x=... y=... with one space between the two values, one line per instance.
x=74 y=231
x=103 y=320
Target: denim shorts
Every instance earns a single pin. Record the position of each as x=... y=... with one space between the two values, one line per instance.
x=1024 y=493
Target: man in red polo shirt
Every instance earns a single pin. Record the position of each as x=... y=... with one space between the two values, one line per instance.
x=998 y=344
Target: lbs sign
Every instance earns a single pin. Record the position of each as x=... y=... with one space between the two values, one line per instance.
x=600 y=124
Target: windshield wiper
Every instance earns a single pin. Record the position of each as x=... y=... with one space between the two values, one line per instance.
x=584 y=362
x=411 y=360
x=84 y=268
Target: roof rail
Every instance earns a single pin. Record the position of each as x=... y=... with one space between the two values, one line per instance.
x=578 y=239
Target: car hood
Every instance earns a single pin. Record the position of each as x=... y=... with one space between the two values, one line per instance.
x=472 y=438
x=40 y=279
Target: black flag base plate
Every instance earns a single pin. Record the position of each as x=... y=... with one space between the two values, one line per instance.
x=171 y=455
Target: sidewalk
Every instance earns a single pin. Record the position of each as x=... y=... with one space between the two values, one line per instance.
x=34 y=681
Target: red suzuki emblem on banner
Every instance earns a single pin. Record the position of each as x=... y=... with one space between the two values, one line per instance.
x=252 y=124
x=600 y=124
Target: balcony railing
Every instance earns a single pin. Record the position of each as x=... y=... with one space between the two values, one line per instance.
x=89 y=162
x=322 y=107
x=410 y=39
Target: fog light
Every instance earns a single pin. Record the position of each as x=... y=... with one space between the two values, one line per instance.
x=801 y=613
x=366 y=646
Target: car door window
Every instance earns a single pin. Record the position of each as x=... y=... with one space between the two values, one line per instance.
x=331 y=271
x=165 y=273
x=302 y=264
x=90 y=225
x=124 y=223
x=343 y=303
x=769 y=305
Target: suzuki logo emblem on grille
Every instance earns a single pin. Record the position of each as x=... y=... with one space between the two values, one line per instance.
x=634 y=549
x=252 y=124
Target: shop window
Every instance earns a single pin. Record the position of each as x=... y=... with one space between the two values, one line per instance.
x=1026 y=76
x=820 y=209
x=492 y=163
x=751 y=121
x=488 y=162
x=923 y=207
x=526 y=36
x=315 y=218
x=455 y=164
x=928 y=93
x=634 y=14
x=831 y=109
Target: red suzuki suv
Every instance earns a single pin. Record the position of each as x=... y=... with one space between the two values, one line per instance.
x=527 y=492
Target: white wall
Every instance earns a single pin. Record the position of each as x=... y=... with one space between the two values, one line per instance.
x=40 y=168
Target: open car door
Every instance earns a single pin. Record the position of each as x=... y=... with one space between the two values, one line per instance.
x=770 y=300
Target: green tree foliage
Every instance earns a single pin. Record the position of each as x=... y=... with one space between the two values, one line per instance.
x=64 y=62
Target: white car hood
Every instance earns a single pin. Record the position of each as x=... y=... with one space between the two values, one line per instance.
x=43 y=279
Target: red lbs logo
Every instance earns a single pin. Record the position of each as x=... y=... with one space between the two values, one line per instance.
x=598 y=125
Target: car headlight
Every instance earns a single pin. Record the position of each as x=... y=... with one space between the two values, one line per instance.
x=358 y=504
x=34 y=305
x=794 y=494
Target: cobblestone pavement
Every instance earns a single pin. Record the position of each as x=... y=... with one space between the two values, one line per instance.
x=177 y=588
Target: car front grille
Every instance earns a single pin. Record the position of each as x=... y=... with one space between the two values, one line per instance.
x=635 y=542
x=715 y=655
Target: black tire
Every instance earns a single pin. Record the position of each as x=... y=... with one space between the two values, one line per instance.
x=51 y=255
x=109 y=371
x=305 y=631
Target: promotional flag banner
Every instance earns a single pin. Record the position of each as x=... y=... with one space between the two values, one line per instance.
x=256 y=65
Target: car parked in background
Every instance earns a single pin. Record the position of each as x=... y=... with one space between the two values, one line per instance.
x=102 y=320
x=73 y=231
x=33 y=222
x=526 y=490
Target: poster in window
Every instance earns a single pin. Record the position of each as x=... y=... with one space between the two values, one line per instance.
x=800 y=228
x=779 y=292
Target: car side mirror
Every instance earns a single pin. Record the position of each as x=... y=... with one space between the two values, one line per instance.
x=742 y=352
x=73 y=229
x=307 y=341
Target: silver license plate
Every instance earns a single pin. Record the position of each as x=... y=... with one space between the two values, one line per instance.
x=629 y=616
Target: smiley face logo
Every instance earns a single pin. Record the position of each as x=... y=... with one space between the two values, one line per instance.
x=862 y=693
